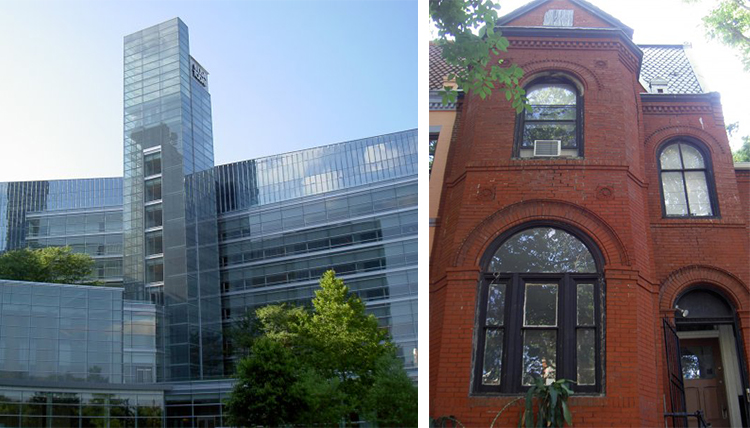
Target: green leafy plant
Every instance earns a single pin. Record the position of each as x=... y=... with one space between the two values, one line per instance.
x=552 y=404
x=469 y=40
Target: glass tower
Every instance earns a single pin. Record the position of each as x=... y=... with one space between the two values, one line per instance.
x=168 y=137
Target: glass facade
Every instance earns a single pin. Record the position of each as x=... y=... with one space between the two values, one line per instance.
x=62 y=408
x=59 y=332
x=186 y=248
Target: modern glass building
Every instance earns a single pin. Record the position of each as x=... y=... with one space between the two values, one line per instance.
x=185 y=248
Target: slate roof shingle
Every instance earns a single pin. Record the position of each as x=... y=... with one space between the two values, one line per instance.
x=438 y=68
x=670 y=63
x=666 y=61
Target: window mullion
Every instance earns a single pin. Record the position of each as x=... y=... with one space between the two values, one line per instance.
x=515 y=320
x=567 y=327
x=684 y=189
x=684 y=182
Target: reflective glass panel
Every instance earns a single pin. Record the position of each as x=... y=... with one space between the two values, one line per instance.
x=585 y=304
x=691 y=157
x=153 y=216
x=698 y=362
x=154 y=243
x=551 y=94
x=493 y=357
x=496 y=304
x=539 y=355
x=585 y=357
x=153 y=190
x=670 y=157
x=540 y=305
x=700 y=203
x=674 y=193
x=543 y=250
x=563 y=131
x=152 y=164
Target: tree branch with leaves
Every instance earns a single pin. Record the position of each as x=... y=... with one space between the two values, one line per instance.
x=471 y=45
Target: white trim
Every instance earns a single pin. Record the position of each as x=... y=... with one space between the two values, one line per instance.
x=150 y=150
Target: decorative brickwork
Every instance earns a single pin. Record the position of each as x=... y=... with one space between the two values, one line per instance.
x=612 y=194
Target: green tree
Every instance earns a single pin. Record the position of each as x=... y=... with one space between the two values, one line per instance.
x=467 y=35
x=729 y=22
x=319 y=365
x=51 y=264
x=743 y=153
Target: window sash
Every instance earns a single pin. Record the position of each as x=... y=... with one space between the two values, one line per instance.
x=703 y=204
x=511 y=376
x=523 y=119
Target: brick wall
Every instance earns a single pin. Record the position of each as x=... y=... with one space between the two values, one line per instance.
x=612 y=195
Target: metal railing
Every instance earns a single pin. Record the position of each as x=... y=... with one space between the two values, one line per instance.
x=682 y=418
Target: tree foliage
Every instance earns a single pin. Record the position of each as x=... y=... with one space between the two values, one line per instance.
x=319 y=366
x=743 y=153
x=470 y=44
x=729 y=22
x=50 y=264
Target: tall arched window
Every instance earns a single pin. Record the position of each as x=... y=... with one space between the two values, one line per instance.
x=539 y=312
x=686 y=181
x=554 y=125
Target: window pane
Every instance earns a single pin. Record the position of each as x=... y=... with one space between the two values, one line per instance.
x=154 y=270
x=670 y=158
x=539 y=355
x=698 y=362
x=493 y=356
x=585 y=304
x=153 y=243
x=153 y=190
x=551 y=94
x=496 y=304
x=586 y=350
x=563 y=131
x=543 y=250
x=153 y=216
x=540 y=305
x=674 y=193
x=152 y=164
x=691 y=157
x=552 y=113
x=700 y=203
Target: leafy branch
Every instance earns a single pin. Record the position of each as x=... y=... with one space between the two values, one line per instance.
x=470 y=44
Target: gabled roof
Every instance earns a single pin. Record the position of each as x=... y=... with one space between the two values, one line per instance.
x=604 y=16
x=669 y=62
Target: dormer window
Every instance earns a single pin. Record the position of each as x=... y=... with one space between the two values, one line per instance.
x=554 y=120
x=659 y=86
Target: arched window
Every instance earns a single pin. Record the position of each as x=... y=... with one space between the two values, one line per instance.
x=539 y=312
x=553 y=127
x=686 y=182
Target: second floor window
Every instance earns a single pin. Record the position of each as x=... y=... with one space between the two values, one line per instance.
x=686 y=182
x=553 y=126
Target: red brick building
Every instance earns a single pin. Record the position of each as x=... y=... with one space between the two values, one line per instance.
x=563 y=239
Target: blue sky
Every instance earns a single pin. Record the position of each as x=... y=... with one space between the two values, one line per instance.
x=284 y=75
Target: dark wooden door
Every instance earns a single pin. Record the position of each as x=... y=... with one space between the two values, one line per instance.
x=703 y=375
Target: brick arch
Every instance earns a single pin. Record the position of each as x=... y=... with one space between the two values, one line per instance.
x=662 y=134
x=713 y=277
x=476 y=242
x=583 y=74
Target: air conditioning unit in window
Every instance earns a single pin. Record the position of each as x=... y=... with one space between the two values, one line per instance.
x=547 y=147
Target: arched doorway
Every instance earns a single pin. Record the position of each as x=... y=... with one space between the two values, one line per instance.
x=711 y=357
